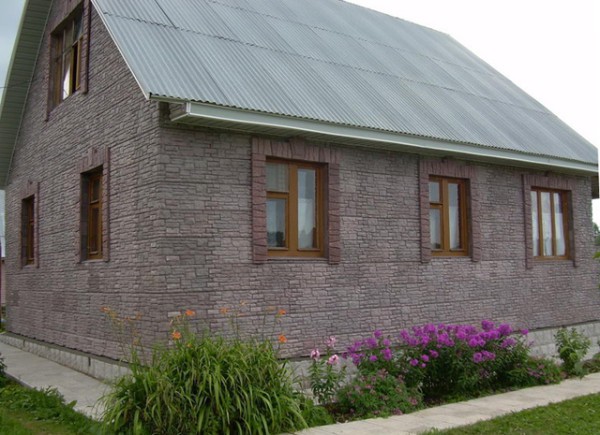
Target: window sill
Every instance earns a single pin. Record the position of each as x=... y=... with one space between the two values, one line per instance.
x=294 y=259
x=93 y=261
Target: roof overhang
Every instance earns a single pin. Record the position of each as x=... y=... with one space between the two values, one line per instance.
x=18 y=80
x=264 y=123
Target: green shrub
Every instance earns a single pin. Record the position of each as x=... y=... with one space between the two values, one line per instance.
x=377 y=395
x=206 y=385
x=2 y=372
x=534 y=371
x=314 y=415
x=572 y=346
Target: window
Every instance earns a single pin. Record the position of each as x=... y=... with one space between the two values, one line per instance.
x=28 y=230
x=448 y=216
x=549 y=223
x=92 y=215
x=67 y=58
x=294 y=209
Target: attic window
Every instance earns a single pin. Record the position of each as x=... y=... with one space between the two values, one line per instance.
x=67 y=53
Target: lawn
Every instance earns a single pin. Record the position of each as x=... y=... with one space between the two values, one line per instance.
x=24 y=411
x=576 y=416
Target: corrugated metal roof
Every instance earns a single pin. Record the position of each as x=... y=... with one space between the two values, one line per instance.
x=17 y=81
x=331 y=61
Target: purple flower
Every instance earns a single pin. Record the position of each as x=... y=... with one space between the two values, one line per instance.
x=487 y=325
x=461 y=335
x=386 y=354
x=315 y=354
x=425 y=358
x=477 y=357
x=371 y=342
x=504 y=329
x=434 y=353
x=333 y=360
x=508 y=342
x=414 y=362
x=373 y=358
x=330 y=343
x=524 y=331
x=423 y=365
x=386 y=342
x=377 y=333
x=488 y=355
x=429 y=328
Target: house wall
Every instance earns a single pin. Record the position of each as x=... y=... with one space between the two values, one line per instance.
x=381 y=281
x=58 y=300
x=180 y=234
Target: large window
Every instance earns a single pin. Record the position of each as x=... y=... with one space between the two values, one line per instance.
x=448 y=216
x=67 y=58
x=549 y=223
x=28 y=230
x=92 y=214
x=294 y=209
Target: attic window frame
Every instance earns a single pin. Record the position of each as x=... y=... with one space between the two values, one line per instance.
x=78 y=50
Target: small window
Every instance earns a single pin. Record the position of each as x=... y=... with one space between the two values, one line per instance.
x=66 y=58
x=28 y=230
x=294 y=209
x=549 y=224
x=448 y=216
x=92 y=215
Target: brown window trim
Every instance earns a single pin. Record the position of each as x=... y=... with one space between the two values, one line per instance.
x=65 y=16
x=558 y=184
x=291 y=197
x=95 y=163
x=450 y=168
x=30 y=224
x=296 y=149
x=443 y=206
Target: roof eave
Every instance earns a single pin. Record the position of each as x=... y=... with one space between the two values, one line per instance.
x=264 y=123
x=18 y=80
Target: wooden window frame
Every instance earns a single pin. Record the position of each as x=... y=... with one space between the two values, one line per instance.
x=74 y=50
x=89 y=232
x=564 y=197
x=28 y=222
x=291 y=197
x=444 y=207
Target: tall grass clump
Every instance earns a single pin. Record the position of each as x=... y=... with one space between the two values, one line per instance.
x=208 y=385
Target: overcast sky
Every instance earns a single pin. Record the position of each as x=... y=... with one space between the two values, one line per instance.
x=549 y=48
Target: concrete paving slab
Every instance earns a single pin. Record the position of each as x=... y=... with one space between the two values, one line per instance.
x=36 y=372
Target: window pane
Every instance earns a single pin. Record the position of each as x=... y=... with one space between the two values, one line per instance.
x=277 y=177
x=434 y=191
x=435 y=223
x=307 y=216
x=66 y=78
x=276 y=209
x=546 y=224
x=535 y=229
x=93 y=236
x=454 y=215
x=559 y=228
x=95 y=189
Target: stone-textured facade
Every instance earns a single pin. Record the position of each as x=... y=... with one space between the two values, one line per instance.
x=182 y=213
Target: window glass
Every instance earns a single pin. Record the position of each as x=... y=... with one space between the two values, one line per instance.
x=435 y=223
x=434 y=191
x=454 y=215
x=307 y=217
x=277 y=177
x=559 y=227
x=546 y=223
x=276 y=217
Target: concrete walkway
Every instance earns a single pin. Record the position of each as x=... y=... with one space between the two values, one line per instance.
x=37 y=372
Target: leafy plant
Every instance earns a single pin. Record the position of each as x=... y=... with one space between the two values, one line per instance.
x=572 y=346
x=377 y=395
x=325 y=374
x=206 y=385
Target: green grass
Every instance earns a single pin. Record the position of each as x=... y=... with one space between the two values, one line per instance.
x=576 y=416
x=26 y=411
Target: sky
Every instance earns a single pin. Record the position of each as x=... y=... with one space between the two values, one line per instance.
x=549 y=48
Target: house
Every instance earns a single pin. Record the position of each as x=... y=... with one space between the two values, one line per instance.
x=355 y=169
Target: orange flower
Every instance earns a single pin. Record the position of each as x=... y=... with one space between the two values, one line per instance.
x=282 y=339
x=105 y=309
x=281 y=312
x=224 y=310
x=176 y=335
x=190 y=313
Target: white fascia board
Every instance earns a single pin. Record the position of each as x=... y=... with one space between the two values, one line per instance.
x=300 y=126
